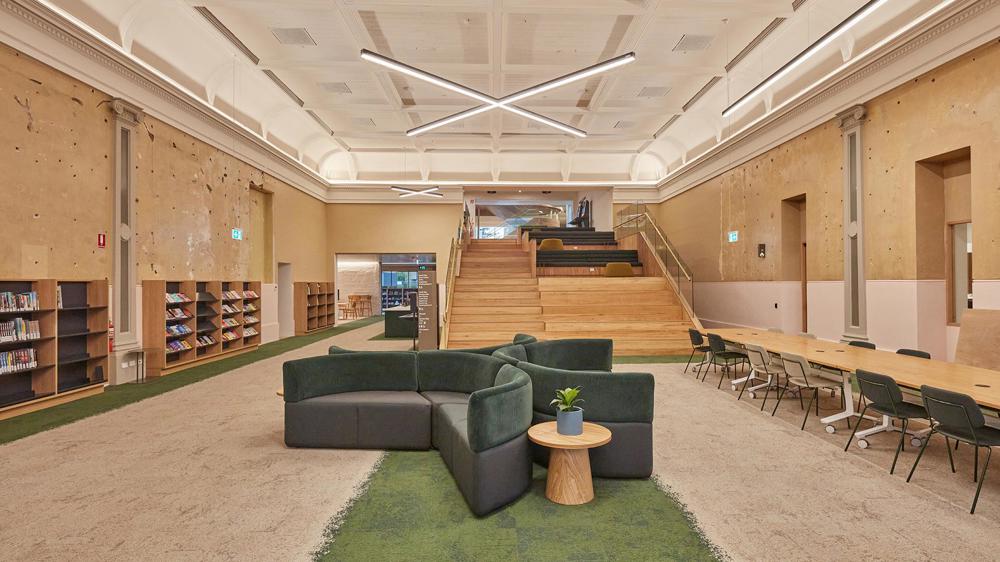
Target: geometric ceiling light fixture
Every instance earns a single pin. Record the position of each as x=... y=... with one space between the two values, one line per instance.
x=406 y=192
x=490 y=103
x=860 y=14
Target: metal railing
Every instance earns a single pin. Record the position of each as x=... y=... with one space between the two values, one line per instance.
x=635 y=219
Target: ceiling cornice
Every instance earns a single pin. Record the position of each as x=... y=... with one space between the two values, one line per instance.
x=864 y=80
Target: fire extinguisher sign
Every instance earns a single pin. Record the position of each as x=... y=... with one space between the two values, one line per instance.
x=102 y=240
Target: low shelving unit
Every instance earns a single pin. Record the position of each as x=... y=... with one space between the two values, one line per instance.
x=53 y=343
x=189 y=322
x=315 y=307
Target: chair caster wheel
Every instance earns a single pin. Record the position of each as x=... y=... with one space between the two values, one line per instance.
x=916 y=441
x=863 y=443
x=831 y=429
x=753 y=395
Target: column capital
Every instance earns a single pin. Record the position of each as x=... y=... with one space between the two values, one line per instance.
x=126 y=111
x=851 y=117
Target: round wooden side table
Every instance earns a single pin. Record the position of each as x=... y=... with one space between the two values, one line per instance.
x=569 y=481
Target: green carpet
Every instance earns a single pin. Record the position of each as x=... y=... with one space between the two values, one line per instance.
x=381 y=337
x=626 y=359
x=121 y=395
x=412 y=510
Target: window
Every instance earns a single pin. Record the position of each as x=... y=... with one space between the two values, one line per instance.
x=127 y=118
x=855 y=317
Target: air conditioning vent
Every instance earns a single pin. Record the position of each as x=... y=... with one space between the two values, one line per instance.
x=654 y=91
x=335 y=87
x=693 y=43
x=293 y=36
x=624 y=125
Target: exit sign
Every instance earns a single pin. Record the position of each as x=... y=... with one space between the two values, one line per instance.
x=734 y=235
x=237 y=234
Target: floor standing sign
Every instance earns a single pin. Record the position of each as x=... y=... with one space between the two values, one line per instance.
x=427 y=309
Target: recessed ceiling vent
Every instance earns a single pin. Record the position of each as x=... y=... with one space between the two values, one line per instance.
x=654 y=91
x=336 y=87
x=365 y=122
x=691 y=42
x=293 y=36
x=624 y=125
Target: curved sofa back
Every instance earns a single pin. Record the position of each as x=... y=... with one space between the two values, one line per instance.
x=456 y=371
x=518 y=339
x=349 y=372
x=608 y=397
x=571 y=354
x=501 y=412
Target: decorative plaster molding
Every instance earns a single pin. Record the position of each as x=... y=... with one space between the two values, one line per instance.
x=127 y=112
x=851 y=118
x=862 y=81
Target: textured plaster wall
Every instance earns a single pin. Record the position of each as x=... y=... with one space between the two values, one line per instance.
x=56 y=152
x=749 y=198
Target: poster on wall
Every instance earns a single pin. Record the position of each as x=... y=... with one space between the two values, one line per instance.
x=427 y=309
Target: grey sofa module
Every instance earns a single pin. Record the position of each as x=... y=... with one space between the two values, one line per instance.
x=474 y=408
x=621 y=402
x=571 y=354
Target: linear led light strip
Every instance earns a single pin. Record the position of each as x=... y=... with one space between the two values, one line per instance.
x=490 y=102
x=429 y=192
x=802 y=93
x=791 y=65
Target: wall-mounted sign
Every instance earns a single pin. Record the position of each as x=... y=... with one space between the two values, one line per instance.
x=761 y=251
x=427 y=310
x=102 y=240
x=734 y=236
x=237 y=234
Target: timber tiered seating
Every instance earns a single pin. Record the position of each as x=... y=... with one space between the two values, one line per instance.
x=573 y=236
x=586 y=258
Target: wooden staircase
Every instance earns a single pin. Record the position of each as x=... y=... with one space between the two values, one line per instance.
x=496 y=297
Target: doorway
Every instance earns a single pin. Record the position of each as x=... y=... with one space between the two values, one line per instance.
x=794 y=257
x=286 y=308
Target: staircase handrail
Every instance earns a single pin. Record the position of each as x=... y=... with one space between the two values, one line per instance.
x=458 y=244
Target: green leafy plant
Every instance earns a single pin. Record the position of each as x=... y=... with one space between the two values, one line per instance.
x=567 y=399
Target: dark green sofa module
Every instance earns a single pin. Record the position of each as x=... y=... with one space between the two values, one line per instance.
x=485 y=443
x=621 y=402
x=571 y=354
x=363 y=400
x=518 y=339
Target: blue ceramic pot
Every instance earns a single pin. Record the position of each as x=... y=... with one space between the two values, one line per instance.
x=569 y=422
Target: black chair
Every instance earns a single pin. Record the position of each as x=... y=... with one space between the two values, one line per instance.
x=859 y=343
x=884 y=396
x=721 y=356
x=914 y=353
x=958 y=416
x=697 y=346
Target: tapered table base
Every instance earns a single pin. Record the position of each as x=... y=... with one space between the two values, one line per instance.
x=569 y=481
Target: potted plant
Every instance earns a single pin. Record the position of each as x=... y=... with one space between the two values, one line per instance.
x=569 y=416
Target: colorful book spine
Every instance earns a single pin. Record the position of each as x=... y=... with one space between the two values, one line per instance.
x=17 y=302
x=19 y=329
x=17 y=360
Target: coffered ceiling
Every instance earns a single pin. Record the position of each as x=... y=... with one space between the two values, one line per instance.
x=290 y=71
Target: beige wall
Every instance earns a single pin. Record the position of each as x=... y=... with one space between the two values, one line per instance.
x=952 y=107
x=56 y=151
x=749 y=199
x=389 y=228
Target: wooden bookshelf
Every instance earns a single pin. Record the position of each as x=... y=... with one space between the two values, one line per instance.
x=189 y=322
x=71 y=350
x=315 y=306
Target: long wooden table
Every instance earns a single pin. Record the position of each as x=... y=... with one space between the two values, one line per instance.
x=983 y=385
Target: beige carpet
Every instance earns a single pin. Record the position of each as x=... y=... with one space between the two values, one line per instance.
x=762 y=489
x=199 y=473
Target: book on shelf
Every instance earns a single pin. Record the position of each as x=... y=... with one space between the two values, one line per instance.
x=250 y=319
x=178 y=345
x=230 y=322
x=59 y=301
x=205 y=340
x=17 y=360
x=231 y=295
x=231 y=309
x=250 y=295
x=249 y=308
x=230 y=335
x=177 y=330
x=19 y=329
x=177 y=297
x=247 y=332
x=177 y=314
x=18 y=302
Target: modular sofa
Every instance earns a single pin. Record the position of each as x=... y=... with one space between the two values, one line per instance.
x=475 y=409
x=622 y=402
